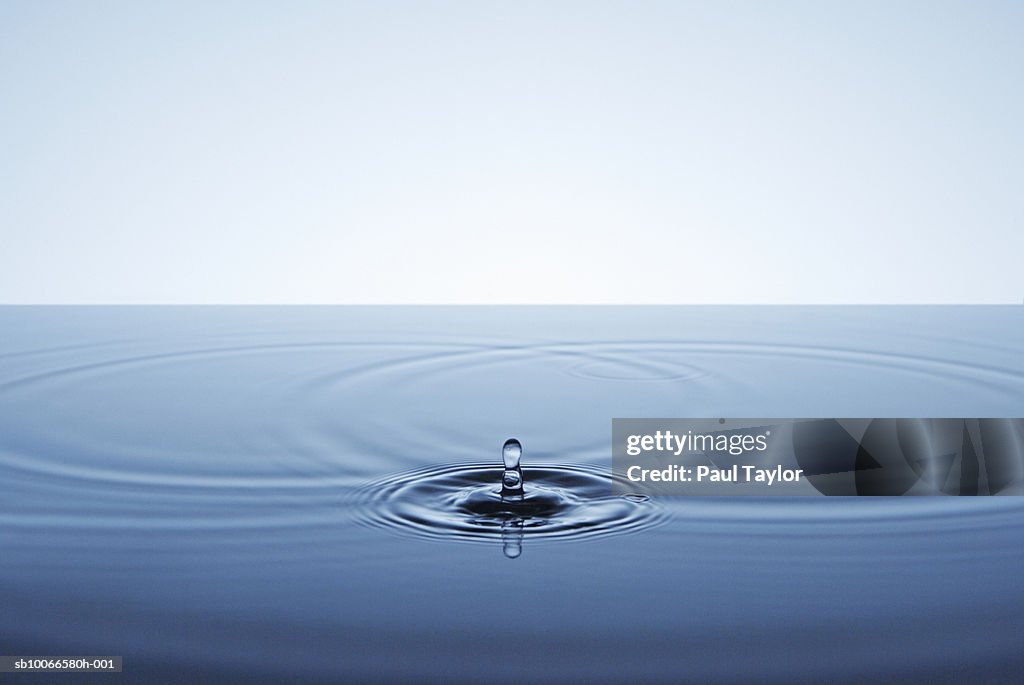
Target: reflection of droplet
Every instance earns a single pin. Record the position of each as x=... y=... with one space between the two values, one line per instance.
x=512 y=537
x=512 y=478
x=636 y=498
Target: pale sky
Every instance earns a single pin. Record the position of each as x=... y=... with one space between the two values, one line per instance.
x=541 y=152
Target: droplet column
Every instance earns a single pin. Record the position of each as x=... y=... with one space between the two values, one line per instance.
x=512 y=478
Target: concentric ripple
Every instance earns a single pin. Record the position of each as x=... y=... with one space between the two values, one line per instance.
x=227 y=418
x=464 y=502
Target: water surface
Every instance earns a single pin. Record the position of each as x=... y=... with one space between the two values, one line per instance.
x=237 y=494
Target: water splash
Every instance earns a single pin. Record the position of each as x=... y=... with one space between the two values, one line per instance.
x=512 y=490
x=462 y=502
x=512 y=478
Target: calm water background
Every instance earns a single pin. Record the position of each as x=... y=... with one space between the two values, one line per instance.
x=188 y=487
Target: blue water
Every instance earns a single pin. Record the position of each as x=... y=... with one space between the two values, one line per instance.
x=247 y=494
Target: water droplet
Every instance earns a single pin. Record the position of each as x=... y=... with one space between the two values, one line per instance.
x=510 y=453
x=512 y=478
